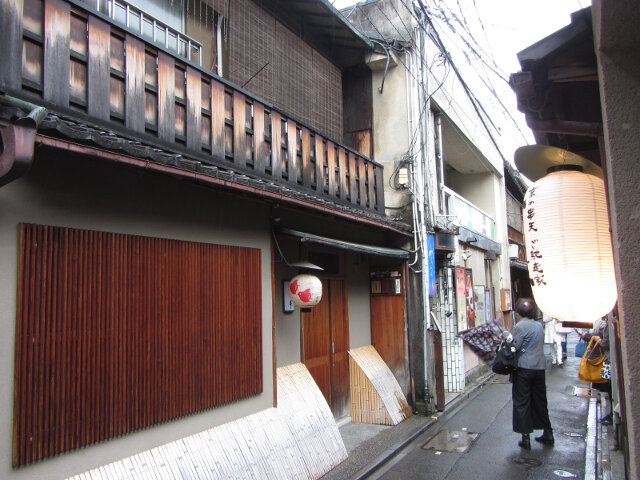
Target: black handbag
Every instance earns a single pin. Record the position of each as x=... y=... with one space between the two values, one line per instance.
x=506 y=359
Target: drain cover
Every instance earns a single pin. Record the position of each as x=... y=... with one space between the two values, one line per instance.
x=451 y=441
x=528 y=462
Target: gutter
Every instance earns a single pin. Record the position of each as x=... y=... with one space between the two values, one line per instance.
x=18 y=139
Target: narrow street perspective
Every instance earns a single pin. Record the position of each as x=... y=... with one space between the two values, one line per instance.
x=288 y=239
x=473 y=439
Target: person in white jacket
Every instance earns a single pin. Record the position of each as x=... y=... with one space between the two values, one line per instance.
x=553 y=339
x=562 y=333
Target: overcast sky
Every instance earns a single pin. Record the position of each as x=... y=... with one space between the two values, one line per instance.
x=512 y=25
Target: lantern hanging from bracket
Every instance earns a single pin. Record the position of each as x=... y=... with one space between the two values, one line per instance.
x=305 y=290
x=569 y=252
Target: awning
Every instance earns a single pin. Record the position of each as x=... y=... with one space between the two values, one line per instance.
x=354 y=247
x=519 y=265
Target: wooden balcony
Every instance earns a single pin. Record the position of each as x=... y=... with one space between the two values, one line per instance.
x=81 y=65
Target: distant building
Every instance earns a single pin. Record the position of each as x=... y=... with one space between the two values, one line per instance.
x=444 y=175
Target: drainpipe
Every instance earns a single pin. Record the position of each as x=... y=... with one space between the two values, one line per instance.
x=440 y=159
x=18 y=140
x=421 y=94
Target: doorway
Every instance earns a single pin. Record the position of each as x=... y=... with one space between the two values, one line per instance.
x=325 y=342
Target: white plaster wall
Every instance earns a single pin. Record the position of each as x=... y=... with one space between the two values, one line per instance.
x=478 y=189
x=454 y=102
x=390 y=127
x=471 y=360
x=503 y=263
x=87 y=194
x=287 y=324
x=359 y=302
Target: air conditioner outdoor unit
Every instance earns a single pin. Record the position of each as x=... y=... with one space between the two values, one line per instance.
x=514 y=250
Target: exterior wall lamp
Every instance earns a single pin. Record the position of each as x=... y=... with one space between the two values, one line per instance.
x=305 y=289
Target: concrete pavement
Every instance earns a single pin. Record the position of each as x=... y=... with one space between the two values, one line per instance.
x=435 y=448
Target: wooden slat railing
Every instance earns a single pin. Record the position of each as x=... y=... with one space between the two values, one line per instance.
x=77 y=62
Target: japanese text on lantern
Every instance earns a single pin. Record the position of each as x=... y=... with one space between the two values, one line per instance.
x=535 y=256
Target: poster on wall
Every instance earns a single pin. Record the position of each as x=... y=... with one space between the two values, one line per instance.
x=461 y=299
x=431 y=263
x=470 y=296
x=481 y=313
x=505 y=297
x=487 y=306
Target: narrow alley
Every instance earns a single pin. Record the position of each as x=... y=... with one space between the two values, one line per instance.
x=473 y=438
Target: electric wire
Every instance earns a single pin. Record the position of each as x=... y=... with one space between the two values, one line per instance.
x=480 y=54
x=416 y=133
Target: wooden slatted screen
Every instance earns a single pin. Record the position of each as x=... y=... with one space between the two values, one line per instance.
x=117 y=332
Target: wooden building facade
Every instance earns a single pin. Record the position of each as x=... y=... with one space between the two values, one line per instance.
x=146 y=193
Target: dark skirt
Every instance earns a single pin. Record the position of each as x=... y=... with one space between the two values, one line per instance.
x=529 y=394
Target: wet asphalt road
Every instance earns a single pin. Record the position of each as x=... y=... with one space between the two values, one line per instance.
x=495 y=454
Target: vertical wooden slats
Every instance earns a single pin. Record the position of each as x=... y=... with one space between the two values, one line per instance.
x=32 y=54
x=151 y=90
x=331 y=168
x=118 y=332
x=376 y=396
x=68 y=69
x=166 y=97
x=117 y=77
x=260 y=161
x=11 y=41
x=78 y=35
x=78 y=82
x=319 y=156
x=343 y=170
x=239 y=129
x=78 y=64
x=353 y=177
x=56 y=51
x=292 y=151
x=134 y=66
x=32 y=17
x=32 y=44
x=307 y=165
x=362 y=182
x=180 y=105
x=99 y=68
x=379 y=196
x=205 y=129
x=194 y=109
x=276 y=145
x=371 y=184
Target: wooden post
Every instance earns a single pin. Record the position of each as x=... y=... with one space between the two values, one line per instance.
x=11 y=41
x=56 y=52
x=194 y=109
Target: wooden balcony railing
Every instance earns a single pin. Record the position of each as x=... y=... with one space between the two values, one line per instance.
x=77 y=62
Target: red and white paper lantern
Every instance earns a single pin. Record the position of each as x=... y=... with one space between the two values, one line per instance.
x=305 y=290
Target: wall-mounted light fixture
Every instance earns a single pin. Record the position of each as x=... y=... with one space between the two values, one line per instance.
x=305 y=289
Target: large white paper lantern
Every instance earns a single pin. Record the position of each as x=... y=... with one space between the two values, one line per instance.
x=305 y=290
x=568 y=243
